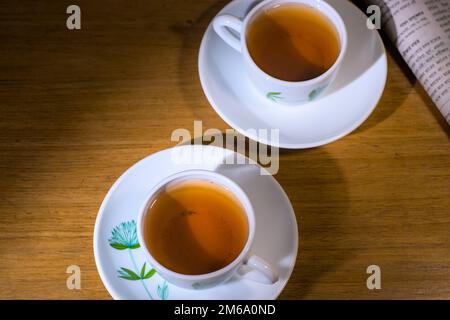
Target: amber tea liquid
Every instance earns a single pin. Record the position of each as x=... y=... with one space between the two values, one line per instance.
x=293 y=42
x=195 y=227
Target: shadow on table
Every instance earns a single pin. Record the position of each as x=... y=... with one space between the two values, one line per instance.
x=190 y=38
x=386 y=107
x=317 y=189
x=395 y=94
x=434 y=110
x=397 y=91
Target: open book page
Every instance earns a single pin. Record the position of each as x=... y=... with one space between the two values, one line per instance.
x=420 y=29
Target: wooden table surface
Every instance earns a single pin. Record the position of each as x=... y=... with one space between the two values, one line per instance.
x=77 y=108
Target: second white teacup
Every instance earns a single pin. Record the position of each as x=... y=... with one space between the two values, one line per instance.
x=274 y=89
x=260 y=270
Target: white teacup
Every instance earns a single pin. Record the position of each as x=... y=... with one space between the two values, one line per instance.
x=245 y=265
x=281 y=91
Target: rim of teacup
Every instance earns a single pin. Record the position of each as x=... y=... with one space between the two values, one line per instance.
x=202 y=175
x=319 y=4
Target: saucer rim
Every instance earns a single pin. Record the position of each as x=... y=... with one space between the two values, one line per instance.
x=356 y=124
x=101 y=212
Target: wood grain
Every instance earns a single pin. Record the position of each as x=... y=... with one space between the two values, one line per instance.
x=77 y=108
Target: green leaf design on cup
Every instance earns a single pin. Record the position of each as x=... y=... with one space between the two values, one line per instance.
x=316 y=92
x=274 y=96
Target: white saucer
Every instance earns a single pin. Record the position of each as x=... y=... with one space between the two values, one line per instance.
x=276 y=236
x=340 y=110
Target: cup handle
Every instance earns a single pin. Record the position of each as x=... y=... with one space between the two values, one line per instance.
x=222 y=23
x=259 y=270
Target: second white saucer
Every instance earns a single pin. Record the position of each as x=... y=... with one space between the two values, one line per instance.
x=341 y=109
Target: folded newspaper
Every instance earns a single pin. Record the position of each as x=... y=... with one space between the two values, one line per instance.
x=420 y=29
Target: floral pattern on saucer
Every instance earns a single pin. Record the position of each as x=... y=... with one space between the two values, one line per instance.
x=116 y=244
x=124 y=237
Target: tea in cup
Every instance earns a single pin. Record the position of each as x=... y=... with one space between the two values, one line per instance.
x=292 y=49
x=197 y=228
